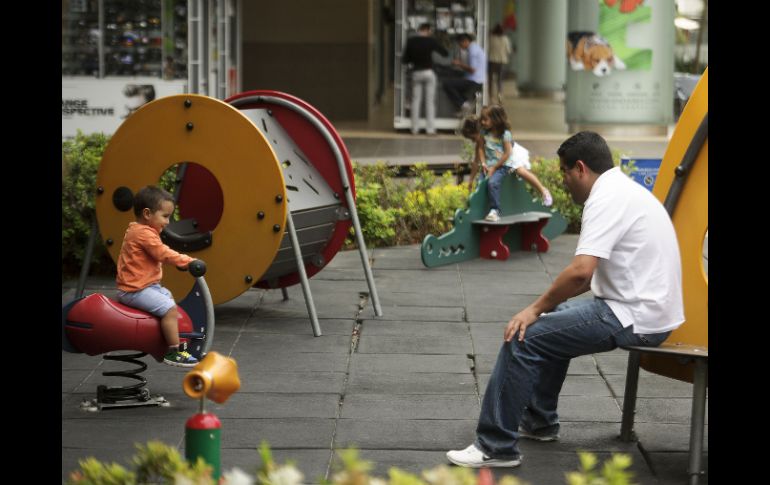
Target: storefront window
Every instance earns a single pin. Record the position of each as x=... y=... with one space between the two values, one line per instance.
x=80 y=38
x=138 y=38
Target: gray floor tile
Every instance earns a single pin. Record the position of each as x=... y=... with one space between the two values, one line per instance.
x=291 y=382
x=417 y=313
x=283 y=405
x=410 y=383
x=277 y=360
x=410 y=406
x=671 y=468
x=386 y=328
x=257 y=342
x=299 y=326
x=379 y=344
x=296 y=433
x=663 y=437
x=393 y=434
x=409 y=363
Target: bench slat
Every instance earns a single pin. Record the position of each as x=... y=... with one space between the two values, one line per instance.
x=532 y=216
x=672 y=349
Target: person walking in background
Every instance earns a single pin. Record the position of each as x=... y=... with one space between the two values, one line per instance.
x=628 y=256
x=475 y=75
x=499 y=56
x=419 y=53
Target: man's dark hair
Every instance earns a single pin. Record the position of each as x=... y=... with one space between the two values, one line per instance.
x=150 y=197
x=424 y=26
x=589 y=147
x=462 y=37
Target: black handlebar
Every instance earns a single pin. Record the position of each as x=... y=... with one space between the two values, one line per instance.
x=197 y=268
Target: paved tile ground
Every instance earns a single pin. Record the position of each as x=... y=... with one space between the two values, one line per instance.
x=403 y=388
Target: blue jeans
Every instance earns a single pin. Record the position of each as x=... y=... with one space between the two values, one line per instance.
x=493 y=186
x=525 y=383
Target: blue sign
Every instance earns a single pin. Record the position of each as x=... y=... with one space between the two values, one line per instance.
x=646 y=170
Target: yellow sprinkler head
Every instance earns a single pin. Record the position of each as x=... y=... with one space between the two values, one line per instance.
x=215 y=377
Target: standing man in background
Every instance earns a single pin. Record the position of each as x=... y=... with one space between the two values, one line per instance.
x=499 y=56
x=419 y=53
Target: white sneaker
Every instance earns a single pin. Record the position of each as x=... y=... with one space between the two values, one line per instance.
x=466 y=109
x=493 y=216
x=547 y=199
x=472 y=457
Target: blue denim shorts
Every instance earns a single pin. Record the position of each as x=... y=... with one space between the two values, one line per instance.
x=154 y=299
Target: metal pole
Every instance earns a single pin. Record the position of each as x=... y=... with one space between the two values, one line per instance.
x=87 y=259
x=629 y=396
x=208 y=303
x=100 y=45
x=348 y=194
x=303 y=276
x=698 y=418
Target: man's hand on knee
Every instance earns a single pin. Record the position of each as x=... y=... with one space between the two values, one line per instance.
x=519 y=323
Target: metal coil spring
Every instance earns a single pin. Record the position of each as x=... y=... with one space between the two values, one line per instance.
x=136 y=392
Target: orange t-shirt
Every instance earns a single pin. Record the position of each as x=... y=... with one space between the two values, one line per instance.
x=141 y=257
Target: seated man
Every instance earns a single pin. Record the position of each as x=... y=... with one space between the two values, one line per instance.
x=474 y=78
x=628 y=256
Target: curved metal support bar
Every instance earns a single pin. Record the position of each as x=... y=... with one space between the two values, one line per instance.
x=303 y=275
x=685 y=167
x=348 y=194
x=209 y=304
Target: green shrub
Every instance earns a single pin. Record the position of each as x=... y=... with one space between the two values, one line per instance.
x=613 y=472
x=162 y=464
x=154 y=463
x=81 y=157
x=430 y=210
x=80 y=161
x=396 y=211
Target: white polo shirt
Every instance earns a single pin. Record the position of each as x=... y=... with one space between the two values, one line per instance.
x=639 y=274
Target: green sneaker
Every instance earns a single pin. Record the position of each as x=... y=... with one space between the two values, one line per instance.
x=180 y=358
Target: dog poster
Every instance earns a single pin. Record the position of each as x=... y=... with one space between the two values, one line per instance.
x=608 y=49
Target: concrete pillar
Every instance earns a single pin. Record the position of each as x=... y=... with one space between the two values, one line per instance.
x=524 y=40
x=636 y=99
x=548 y=20
x=540 y=68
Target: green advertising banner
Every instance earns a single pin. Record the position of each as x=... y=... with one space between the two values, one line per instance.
x=620 y=56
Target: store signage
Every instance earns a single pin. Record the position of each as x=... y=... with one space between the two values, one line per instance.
x=620 y=66
x=101 y=105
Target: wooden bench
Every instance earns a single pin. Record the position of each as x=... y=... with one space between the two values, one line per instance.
x=684 y=354
x=492 y=232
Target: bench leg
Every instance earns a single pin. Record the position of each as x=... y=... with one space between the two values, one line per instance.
x=698 y=419
x=629 y=396
x=491 y=245
x=532 y=237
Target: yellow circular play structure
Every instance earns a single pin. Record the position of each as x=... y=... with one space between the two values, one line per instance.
x=184 y=129
x=682 y=185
